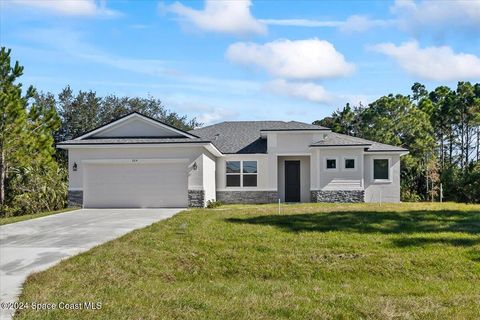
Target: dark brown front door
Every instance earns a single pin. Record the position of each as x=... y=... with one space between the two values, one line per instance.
x=292 y=181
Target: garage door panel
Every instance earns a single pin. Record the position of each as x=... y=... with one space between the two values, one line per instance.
x=138 y=185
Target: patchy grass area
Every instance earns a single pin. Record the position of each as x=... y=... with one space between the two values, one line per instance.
x=313 y=261
x=7 y=220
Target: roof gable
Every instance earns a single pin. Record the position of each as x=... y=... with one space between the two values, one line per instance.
x=136 y=125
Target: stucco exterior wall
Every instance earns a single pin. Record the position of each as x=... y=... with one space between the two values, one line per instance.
x=291 y=142
x=209 y=183
x=264 y=177
x=304 y=177
x=339 y=178
x=382 y=191
x=193 y=153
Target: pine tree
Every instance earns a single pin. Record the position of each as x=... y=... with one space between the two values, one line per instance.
x=30 y=177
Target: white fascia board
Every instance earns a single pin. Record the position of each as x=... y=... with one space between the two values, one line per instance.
x=210 y=147
x=374 y=153
x=339 y=147
x=129 y=145
x=133 y=115
x=244 y=156
x=293 y=154
x=297 y=130
x=245 y=189
x=213 y=150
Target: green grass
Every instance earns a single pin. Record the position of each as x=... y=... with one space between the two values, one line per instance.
x=313 y=261
x=12 y=219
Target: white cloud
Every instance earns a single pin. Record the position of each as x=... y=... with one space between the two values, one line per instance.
x=354 y=23
x=69 y=7
x=432 y=63
x=413 y=16
x=300 y=59
x=441 y=16
x=357 y=23
x=205 y=112
x=73 y=44
x=302 y=22
x=221 y=16
x=63 y=45
x=304 y=90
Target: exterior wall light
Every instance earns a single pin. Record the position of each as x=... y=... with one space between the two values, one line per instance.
x=195 y=167
x=75 y=167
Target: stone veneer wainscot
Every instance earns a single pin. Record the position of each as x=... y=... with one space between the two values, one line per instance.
x=196 y=198
x=75 y=198
x=351 y=196
x=247 y=196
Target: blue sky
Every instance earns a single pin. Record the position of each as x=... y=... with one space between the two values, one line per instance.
x=239 y=60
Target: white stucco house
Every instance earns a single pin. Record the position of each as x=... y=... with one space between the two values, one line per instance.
x=137 y=161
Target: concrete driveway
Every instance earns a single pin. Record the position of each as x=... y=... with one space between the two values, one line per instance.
x=35 y=245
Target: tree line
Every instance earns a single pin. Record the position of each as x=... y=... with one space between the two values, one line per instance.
x=33 y=173
x=441 y=129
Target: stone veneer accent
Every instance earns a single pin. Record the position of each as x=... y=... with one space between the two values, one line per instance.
x=247 y=196
x=196 y=198
x=337 y=195
x=75 y=198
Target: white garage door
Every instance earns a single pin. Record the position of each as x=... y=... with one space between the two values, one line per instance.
x=135 y=185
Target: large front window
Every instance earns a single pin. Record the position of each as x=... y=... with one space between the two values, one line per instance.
x=380 y=169
x=241 y=174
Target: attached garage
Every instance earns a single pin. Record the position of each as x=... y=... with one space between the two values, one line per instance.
x=149 y=183
x=140 y=162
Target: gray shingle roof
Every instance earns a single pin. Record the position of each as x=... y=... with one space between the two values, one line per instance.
x=337 y=139
x=244 y=136
x=132 y=140
x=291 y=126
x=377 y=146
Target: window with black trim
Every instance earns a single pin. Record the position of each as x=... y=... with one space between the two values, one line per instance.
x=241 y=174
x=349 y=163
x=331 y=163
x=233 y=173
x=380 y=169
x=249 y=173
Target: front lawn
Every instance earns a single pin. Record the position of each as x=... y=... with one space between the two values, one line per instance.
x=313 y=261
x=13 y=219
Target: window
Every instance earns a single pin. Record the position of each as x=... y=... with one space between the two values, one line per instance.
x=331 y=163
x=241 y=174
x=349 y=163
x=233 y=173
x=380 y=169
x=249 y=173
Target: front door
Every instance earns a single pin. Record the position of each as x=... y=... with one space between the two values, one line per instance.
x=292 y=181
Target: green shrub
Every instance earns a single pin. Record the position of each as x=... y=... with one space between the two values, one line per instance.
x=408 y=195
x=213 y=204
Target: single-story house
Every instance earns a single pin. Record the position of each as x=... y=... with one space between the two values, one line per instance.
x=137 y=161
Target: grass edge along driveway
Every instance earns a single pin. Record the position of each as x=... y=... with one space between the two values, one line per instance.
x=13 y=219
x=324 y=261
